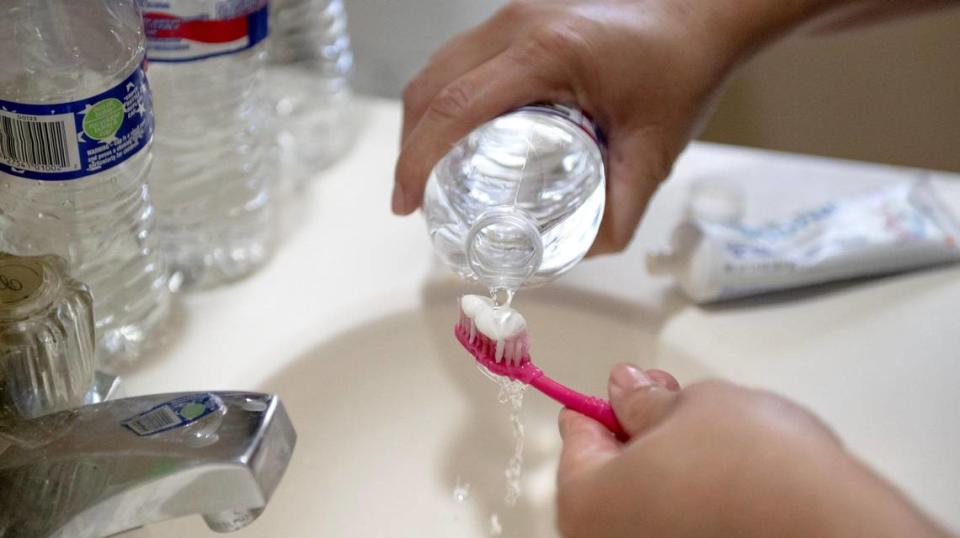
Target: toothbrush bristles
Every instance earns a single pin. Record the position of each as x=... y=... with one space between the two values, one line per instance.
x=512 y=352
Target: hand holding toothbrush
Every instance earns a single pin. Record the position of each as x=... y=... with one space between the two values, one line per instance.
x=497 y=338
x=715 y=459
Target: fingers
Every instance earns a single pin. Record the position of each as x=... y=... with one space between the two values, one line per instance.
x=638 y=400
x=501 y=84
x=635 y=167
x=456 y=58
x=586 y=444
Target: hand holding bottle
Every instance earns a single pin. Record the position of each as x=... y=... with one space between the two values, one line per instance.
x=646 y=70
x=643 y=70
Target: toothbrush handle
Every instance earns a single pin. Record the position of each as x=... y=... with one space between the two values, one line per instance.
x=591 y=406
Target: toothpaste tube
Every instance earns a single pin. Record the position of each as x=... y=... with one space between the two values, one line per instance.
x=895 y=228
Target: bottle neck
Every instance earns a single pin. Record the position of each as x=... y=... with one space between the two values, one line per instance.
x=504 y=248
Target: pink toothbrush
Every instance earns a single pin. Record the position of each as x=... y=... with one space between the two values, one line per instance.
x=511 y=358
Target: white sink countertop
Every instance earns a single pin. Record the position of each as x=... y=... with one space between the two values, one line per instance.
x=351 y=324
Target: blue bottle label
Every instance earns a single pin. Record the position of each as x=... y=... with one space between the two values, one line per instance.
x=174 y=414
x=62 y=141
x=192 y=30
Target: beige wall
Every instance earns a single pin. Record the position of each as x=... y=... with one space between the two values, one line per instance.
x=392 y=39
x=889 y=93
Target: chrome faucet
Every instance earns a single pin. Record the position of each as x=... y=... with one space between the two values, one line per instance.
x=102 y=469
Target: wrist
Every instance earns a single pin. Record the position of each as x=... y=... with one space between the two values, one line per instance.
x=851 y=500
x=747 y=26
x=820 y=490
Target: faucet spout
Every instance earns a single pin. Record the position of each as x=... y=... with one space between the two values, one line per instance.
x=106 y=468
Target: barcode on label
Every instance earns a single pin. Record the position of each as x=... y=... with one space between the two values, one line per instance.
x=39 y=143
x=154 y=421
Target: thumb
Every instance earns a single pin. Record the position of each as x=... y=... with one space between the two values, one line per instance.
x=638 y=400
x=586 y=444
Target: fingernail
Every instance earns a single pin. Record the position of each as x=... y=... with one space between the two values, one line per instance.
x=626 y=377
x=397 y=203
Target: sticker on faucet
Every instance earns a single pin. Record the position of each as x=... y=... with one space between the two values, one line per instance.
x=174 y=414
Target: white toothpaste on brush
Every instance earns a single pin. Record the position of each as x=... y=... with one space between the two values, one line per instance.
x=891 y=229
x=503 y=324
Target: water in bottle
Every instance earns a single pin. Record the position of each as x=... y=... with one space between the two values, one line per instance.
x=519 y=200
x=310 y=66
x=211 y=184
x=75 y=129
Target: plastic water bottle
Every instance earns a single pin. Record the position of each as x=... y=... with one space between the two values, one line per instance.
x=211 y=183
x=519 y=200
x=75 y=129
x=310 y=66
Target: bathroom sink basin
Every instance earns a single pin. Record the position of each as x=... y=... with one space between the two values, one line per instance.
x=352 y=325
x=394 y=419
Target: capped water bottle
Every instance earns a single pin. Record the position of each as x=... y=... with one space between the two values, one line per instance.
x=310 y=66
x=211 y=182
x=519 y=200
x=75 y=129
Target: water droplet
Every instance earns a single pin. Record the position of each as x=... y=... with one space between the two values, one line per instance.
x=502 y=296
x=253 y=405
x=511 y=392
x=461 y=491
x=496 y=529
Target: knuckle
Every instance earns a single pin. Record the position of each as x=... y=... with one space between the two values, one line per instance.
x=452 y=101
x=713 y=385
x=610 y=239
x=755 y=405
x=558 y=39
x=620 y=237
x=711 y=388
x=544 y=41
x=414 y=93
x=600 y=245
x=661 y=165
x=766 y=402
x=518 y=10
x=773 y=412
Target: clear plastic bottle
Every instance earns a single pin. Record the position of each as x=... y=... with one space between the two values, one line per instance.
x=310 y=66
x=46 y=338
x=211 y=184
x=519 y=200
x=75 y=129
